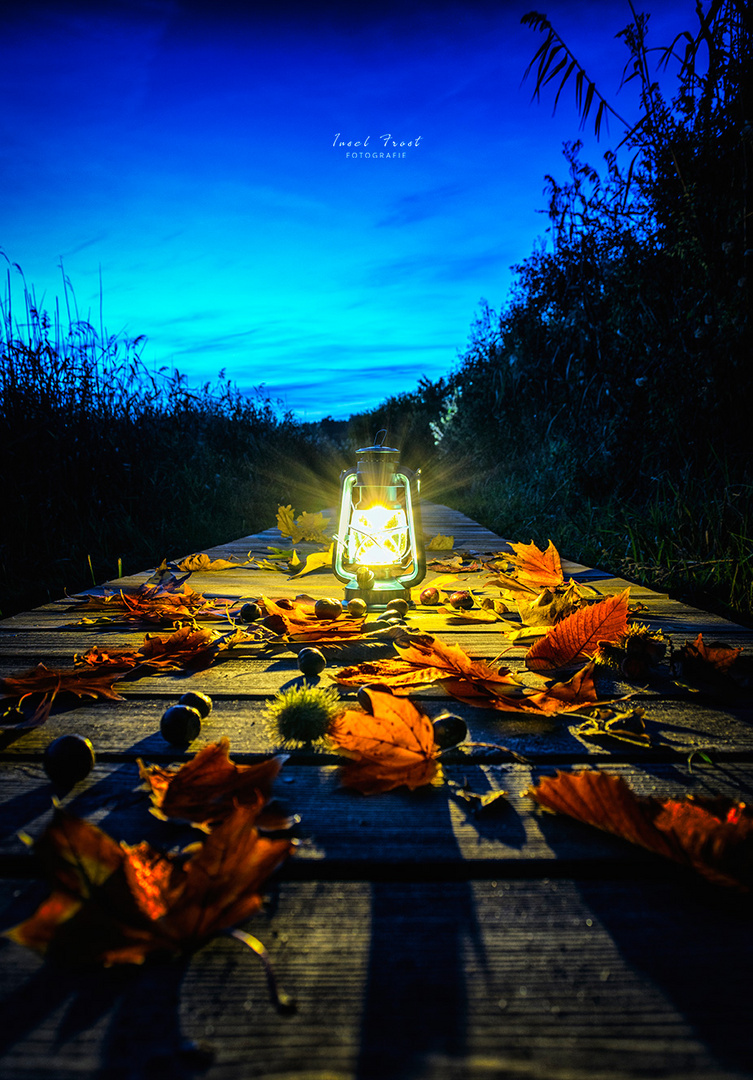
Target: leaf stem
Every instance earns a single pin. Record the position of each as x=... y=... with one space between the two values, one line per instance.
x=496 y=746
x=283 y=1002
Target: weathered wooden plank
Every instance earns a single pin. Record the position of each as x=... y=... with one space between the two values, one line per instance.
x=661 y=612
x=421 y=940
x=561 y=979
x=678 y=726
x=422 y=833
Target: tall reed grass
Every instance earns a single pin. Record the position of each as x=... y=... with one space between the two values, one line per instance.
x=106 y=464
x=690 y=536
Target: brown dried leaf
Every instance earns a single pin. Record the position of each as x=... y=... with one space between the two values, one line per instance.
x=627 y=725
x=189 y=647
x=169 y=604
x=202 y=563
x=698 y=658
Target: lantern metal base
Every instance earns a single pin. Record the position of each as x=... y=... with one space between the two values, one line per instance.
x=378 y=597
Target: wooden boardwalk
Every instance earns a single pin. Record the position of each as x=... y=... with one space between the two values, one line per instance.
x=419 y=939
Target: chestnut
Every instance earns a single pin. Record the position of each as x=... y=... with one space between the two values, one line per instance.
x=328 y=608
x=461 y=600
x=429 y=596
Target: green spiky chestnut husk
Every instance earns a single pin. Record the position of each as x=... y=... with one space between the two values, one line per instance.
x=301 y=715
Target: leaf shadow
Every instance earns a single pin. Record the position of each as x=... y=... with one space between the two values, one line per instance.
x=686 y=937
x=18 y=811
x=141 y=1004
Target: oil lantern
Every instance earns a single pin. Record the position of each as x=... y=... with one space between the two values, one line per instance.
x=378 y=550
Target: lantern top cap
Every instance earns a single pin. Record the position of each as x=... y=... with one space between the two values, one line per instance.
x=377 y=450
x=378 y=447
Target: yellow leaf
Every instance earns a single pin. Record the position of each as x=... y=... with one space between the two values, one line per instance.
x=202 y=562
x=312 y=527
x=441 y=543
x=305 y=527
x=267 y=564
x=286 y=521
x=524 y=635
x=314 y=561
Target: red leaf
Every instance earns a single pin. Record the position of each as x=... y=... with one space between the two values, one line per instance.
x=698 y=657
x=576 y=638
x=715 y=836
x=53 y=681
x=112 y=903
x=208 y=787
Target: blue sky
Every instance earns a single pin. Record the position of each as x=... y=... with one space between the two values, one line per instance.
x=187 y=152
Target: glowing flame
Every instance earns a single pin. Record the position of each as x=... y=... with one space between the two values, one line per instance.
x=378 y=536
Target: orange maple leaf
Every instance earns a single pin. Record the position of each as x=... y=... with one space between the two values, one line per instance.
x=53 y=681
x=536 y=567
x=451 y=662
x=112 y=903
x=208 y=787
x=167 y=602
x=49 y=683
x=697 y=656
x=425 y=659
x=576 y=638
x=390 y=747
x=298 y=622
x=715 y=836
x=187 y=647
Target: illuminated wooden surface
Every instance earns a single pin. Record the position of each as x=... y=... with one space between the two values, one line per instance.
x=419 y=940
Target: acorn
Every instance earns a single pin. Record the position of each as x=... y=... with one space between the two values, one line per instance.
x=449 y=730
x=201 y=702
x=429 y=596
x=399 y=605
x=180 y=724
x=328 y=608
x=461 y=600
x=311 y=661
x=363 y=698
x=357 y=607
x=250 y=612
x=68 y=759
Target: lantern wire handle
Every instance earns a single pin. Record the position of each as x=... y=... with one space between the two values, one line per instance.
x=383 y=433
